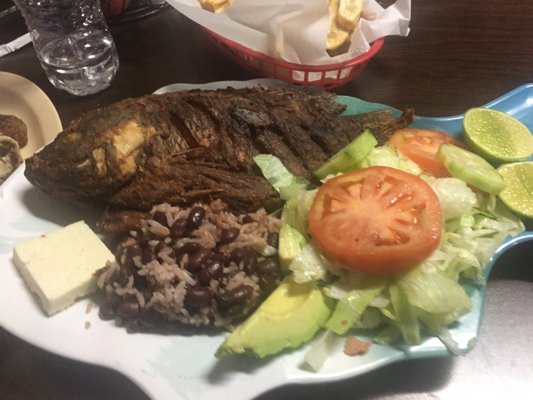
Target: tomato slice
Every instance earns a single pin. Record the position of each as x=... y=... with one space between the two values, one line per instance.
x=379 y=220
x=421 y=146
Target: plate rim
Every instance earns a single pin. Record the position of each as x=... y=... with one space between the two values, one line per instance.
x=37 y=101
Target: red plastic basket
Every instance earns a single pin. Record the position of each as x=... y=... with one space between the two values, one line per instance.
x=326 y=76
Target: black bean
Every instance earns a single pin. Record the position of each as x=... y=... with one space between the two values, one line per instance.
x=147 y=319
x=197 y=297
x=249 y=263
x=147 y=254
x=146 y=237
x=114 y=243
x=273 y=239
x=121 y=255
x=138 y=235
x=114 y=275
x=245 y=258
x=219 y=257
x=160 y=217
x=140 y=282
x=125 y=254
x=107 y=311
x=212 y=270
x=147 y=294
x=234 y=311
x=164 y=248
x=124 y=276
x=247 y=219
x=268 y=265
x=134 y=251
x=128 y=309
x=188 y=248
x=238 y=254
x=119 y=321
x=268 y=282
x=228 y=235
x=132 y=326
x=198 y=258
x=238 y=295
x=195 y=218
x=158 y=247
x=178 y=229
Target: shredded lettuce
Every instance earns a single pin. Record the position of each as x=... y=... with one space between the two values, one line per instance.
x=388 y=335
x=470 y=240
x=402 y=315
x=455 y=197
x=434 y=299
x=309 y=265
x=351 y=307
x=320 y=350
x=387 y=156
x=295 y=211
x=287 y=184
x=424 y=300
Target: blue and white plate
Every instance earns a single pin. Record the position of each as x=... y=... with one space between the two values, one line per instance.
x=176 y=367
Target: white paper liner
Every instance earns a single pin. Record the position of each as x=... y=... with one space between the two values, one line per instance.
x=295 y=30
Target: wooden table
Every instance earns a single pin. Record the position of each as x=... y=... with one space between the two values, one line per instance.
x=459 y=54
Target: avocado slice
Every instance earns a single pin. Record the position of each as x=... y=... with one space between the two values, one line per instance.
x=290 y=316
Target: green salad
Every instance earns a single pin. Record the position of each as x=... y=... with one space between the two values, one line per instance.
x=384 y=245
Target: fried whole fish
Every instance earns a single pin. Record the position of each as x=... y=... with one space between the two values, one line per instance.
x=193 y=146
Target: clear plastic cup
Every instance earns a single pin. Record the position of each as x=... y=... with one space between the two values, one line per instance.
x=72 y=42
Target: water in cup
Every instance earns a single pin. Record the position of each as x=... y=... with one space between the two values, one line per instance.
x=72 y=42
x=81 y=63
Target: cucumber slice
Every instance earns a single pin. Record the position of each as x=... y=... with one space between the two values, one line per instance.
x=470 y=168
x=348 y=157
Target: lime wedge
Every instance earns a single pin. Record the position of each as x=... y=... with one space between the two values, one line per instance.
x=497 y=136
x=518 y=192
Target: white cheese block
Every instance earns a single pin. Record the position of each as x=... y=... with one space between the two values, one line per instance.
x=59 y=266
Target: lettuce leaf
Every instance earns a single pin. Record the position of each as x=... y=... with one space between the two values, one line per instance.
x=433 y=298
x=287 y=184
x=309 y=265
x=295 y=211
x=350 y=308
x=387 y=156
x=455 y=197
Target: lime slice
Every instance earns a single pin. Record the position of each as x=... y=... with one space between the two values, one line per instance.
x=497 y=136
x=518 y=192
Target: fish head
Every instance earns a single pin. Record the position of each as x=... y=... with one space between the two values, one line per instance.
x=95 y=156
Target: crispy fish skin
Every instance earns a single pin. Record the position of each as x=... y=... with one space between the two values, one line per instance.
x=193 y=146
